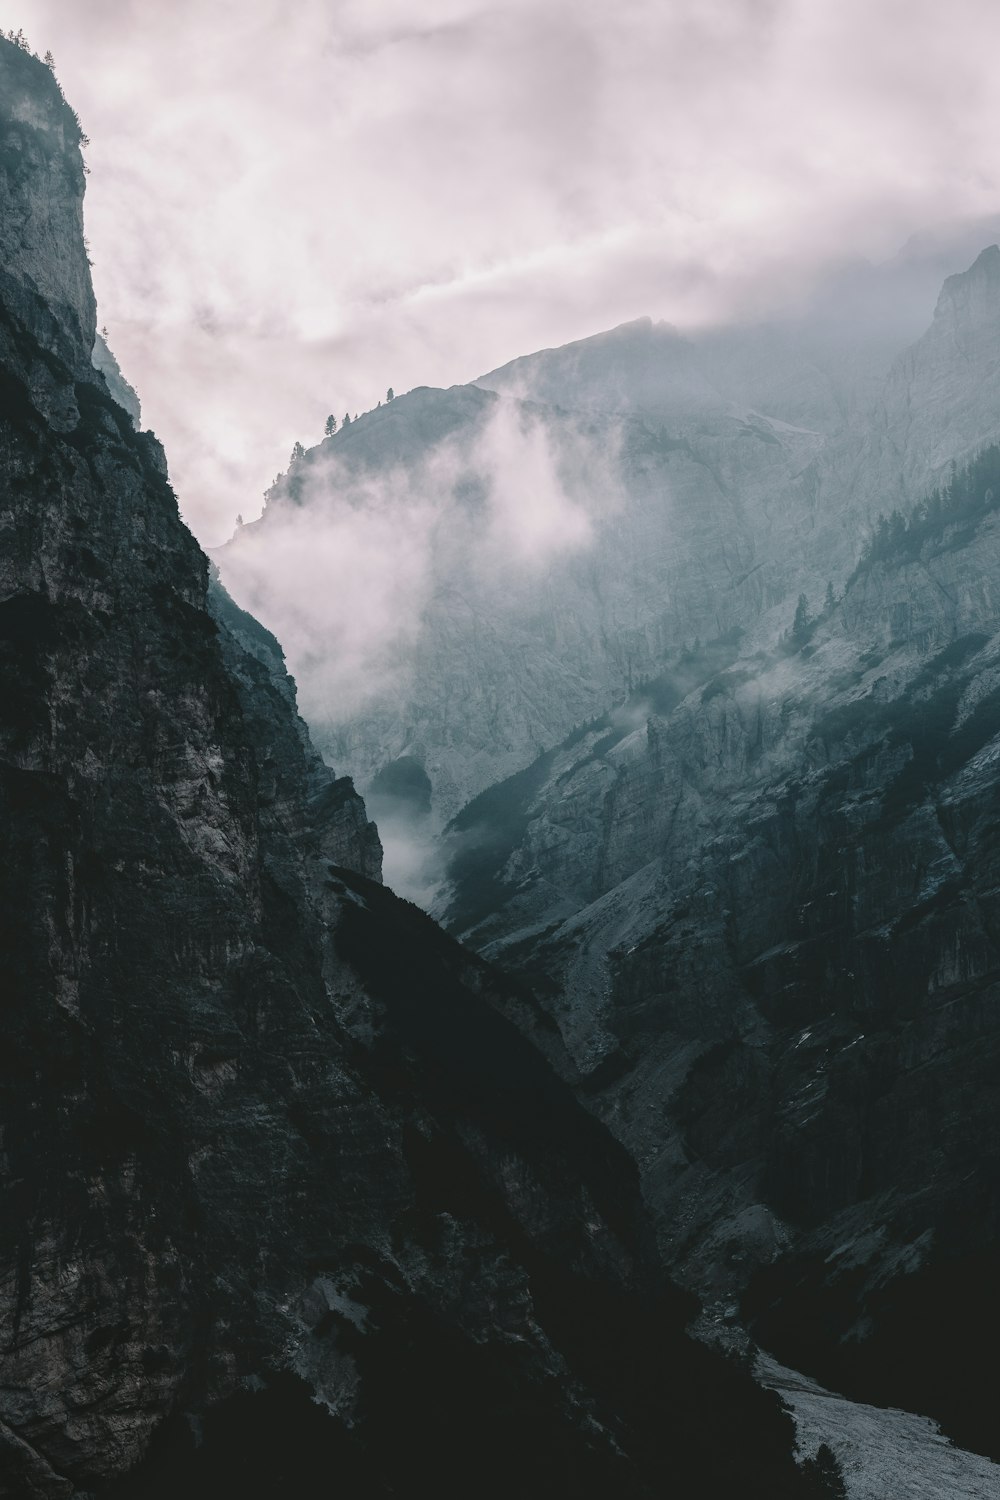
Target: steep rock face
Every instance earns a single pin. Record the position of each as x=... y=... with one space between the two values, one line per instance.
x=284 y=1196
x=44 y=277
x=766 y=923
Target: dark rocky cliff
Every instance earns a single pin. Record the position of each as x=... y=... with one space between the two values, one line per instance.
x=288 y=1206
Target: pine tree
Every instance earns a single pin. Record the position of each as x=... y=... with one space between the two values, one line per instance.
x=800 y=625
x=347 y=419
x=390 y=394
x=825 y=1475
x=331 y=426
x=297 y=452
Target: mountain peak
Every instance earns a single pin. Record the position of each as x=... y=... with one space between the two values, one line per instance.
x=42 y=253
x=987 y=260
x=971 y=294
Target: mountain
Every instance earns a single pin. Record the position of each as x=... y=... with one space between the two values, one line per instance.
x=750 y=871
x=565 y=527
x=288 y=1202
x=547 y=559
x=718 y=778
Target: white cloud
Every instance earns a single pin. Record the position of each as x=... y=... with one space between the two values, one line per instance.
x=292 y=207
x=345 y=572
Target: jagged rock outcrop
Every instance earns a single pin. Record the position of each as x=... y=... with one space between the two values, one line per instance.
x=287 y=1203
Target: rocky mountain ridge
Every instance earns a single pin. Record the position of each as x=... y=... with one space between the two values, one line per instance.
x=717 y=478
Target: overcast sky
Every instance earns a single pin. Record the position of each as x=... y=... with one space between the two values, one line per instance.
x=294 y=205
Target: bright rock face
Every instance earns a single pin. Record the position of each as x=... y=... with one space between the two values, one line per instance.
x=286 y=1202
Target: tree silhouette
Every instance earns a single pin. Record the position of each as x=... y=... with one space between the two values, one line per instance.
x=347 y=419
x=824 y=1474
x=331 y=426
x=800 y=625
x=297 y=452
x=390 y=394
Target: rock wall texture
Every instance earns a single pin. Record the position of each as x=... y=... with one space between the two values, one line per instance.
x=288 y=1206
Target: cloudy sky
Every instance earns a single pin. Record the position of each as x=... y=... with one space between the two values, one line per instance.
x=293 y=206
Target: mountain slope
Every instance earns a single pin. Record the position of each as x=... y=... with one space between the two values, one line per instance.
x=622 y=498
x=765 y=919
x=546 y=561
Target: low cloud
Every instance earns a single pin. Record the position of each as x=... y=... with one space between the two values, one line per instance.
x=342 y=582
x=353 y=553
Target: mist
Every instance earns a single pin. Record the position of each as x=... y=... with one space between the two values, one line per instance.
x=357 y=555
x=351 y=553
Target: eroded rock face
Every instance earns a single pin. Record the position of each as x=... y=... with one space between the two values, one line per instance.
x=286 y=1202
